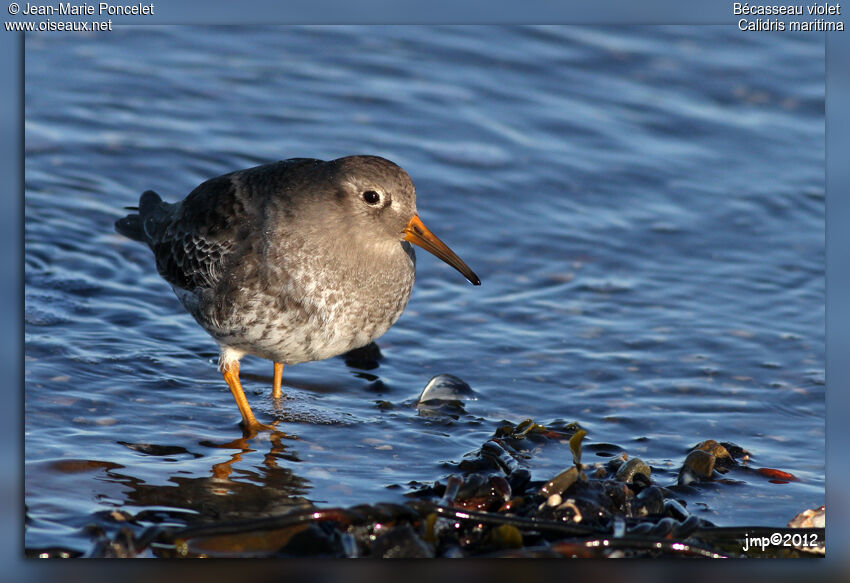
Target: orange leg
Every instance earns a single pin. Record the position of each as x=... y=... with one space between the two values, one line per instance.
x=231 y=376
x=278 y=377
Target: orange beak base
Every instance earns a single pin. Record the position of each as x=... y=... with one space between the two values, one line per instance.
x=417 y=233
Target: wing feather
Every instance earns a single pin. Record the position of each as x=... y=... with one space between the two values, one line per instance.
x=194 y=240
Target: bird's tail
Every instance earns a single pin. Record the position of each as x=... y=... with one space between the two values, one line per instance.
x=131 y=225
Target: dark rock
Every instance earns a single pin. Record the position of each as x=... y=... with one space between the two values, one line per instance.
x=518 y=479
x=500 y=487
x=640 y=481
x=617 y=493
x=481 y=493
x=614 y=464
x=684 y=528
x=453 y=552
x=401 y=542
x=478 y=464
x=675 y=509
x=664 y=527
x=317 y=540
x=492 y=450
x=736 y=451
x=122 y=546
x=471 y=486
x=650 y=501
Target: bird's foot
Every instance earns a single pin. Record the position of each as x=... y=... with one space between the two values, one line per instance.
x=253 y=427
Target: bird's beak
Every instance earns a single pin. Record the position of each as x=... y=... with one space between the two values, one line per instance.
x=417 y=233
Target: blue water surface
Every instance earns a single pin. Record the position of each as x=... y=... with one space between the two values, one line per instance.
x=644 y=205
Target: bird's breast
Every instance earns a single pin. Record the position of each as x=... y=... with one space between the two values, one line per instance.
x=360 y=301
x=326 y=306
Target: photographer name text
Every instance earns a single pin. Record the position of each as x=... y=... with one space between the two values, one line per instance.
x=86 y=9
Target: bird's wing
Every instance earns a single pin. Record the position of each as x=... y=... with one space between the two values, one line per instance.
x=195 y=240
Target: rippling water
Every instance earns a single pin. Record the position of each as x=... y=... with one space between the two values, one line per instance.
x=645 y=207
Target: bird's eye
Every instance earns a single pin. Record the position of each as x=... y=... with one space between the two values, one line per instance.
x=371 y=197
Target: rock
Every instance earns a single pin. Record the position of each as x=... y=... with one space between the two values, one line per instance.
x=446 y=387
x=444 y=396
x=675 y=509
x=500 y=487
x=714 y=448
x=560 y=483
x=698 y=465
x=453 y=552
x=627 y=471
x=499 y=456
x=506 y=536
x=401 y=542
x=471 y=486
x=650 y=501
x=814 y=518
x=315 y=540
x=614 y=464
x=736 y=451
x=618 y=494
x=518 y=479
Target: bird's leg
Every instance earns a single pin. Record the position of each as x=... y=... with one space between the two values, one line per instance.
x=278 y=377
x=230 y=370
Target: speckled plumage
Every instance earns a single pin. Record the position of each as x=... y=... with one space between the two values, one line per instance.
x=296 y=293
x=291 y=261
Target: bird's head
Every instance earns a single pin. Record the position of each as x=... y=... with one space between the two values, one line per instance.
x=378 y=200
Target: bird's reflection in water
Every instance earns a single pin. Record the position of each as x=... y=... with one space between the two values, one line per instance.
x=241 y=486
x=229 y=491
x=250 y=440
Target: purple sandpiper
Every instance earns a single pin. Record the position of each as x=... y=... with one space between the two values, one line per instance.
x=294 y=261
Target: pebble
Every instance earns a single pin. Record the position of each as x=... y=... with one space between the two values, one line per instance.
x=650 y=501
x=675 y=509
x=699 y=464
x=812 y=518
x=714 y=448
x=446 y=387
x=626 y=472
x=560 y=483
x=571 y=505
x=401 y=541
x=506 y=536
